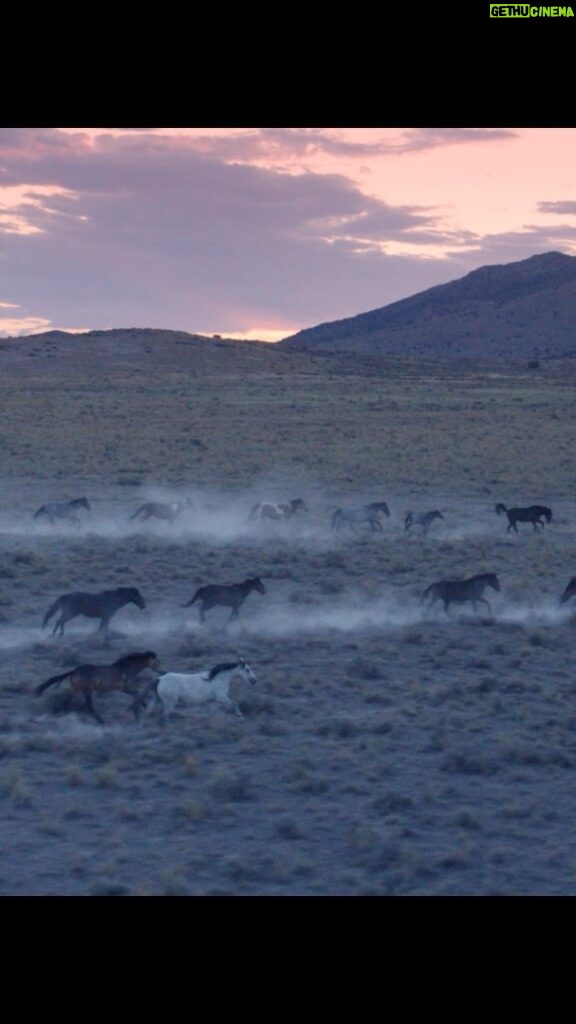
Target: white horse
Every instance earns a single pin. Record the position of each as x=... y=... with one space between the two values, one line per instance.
x=214 y=684
x=360 y=516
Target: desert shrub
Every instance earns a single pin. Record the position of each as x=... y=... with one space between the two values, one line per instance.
x=231 y=785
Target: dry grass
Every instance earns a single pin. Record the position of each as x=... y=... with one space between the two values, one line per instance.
x=385 y=749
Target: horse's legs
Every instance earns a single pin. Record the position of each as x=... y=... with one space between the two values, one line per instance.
x=91 y=708
x=59 y=625
x=225 y=699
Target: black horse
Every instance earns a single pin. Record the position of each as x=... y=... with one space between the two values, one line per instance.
x=67 y=510
x=569 y=592
x=159 y=510
x=460 y=591
x=95 y=606
x=424 y=519
x=89 y=679
x=230 y=595
x=534 y=514
x=364 y=514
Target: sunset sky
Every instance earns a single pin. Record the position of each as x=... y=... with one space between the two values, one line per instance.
x=259 y=232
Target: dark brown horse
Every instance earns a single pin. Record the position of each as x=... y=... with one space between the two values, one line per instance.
x=534 y=514
x=89 y=679
x=460 y=591
x=423 y=519
x=228 y=595
x=95 y=606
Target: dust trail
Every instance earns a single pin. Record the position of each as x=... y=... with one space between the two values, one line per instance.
x=278 y=618
x=14 y=638
x=217 y=517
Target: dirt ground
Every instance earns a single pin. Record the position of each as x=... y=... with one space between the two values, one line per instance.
x=387 y=749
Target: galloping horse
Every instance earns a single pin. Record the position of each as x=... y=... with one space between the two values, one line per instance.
x=198 y=688
x=361 y=515
x=279 y=513
x=424 y=519
x=533 y=514
x=230 y=595
x=95 y=606
x=89 y=679
x=66 y=510
x=160 y=510
x=462 y=590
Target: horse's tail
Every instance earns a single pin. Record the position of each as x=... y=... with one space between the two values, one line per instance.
x=429 y=590
x=253 y=512
x=52 y=611
x=193 y=599
x=52 y=681
x=40 y=512
x=137 y=513
x=408 y=521
x=336 y=518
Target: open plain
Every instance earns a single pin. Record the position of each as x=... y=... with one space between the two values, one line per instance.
x=387 y=748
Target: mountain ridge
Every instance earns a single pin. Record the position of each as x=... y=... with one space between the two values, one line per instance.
x=511 y=310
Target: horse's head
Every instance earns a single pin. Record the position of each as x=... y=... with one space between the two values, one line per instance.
x=83 y=503
x=493 y=581
x=133 y=596
x=381 y=506
x=548 y=515
x=298 y=503
x=500 y=509
x=436 y=515
x=246 y=672
x=256 y=584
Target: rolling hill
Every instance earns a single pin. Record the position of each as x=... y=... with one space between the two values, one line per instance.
x=513 y=311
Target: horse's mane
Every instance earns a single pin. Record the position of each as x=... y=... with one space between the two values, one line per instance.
x=129 y=658
x=224 y=667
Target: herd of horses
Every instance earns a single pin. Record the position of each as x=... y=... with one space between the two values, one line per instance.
x=166 y=689
x=353 y=517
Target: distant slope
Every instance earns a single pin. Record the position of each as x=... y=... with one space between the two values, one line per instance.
x=516 y=310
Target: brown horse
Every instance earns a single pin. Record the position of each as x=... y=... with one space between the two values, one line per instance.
x=460 y=591
x=89 y=679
